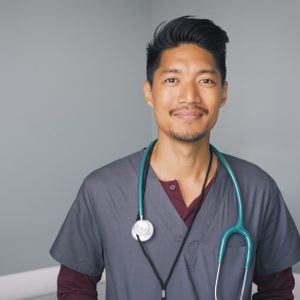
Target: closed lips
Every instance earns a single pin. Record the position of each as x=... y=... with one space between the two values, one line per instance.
x=188 y=114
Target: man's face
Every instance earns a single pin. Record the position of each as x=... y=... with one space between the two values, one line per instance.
x=186 y=93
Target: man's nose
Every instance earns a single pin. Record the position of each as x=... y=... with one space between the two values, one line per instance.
x=189 y=93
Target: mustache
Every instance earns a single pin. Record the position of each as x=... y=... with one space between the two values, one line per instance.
x=189 y=107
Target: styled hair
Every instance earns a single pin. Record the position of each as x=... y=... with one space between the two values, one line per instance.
x=187 y=29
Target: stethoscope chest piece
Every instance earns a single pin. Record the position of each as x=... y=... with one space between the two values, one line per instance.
x=142 y=228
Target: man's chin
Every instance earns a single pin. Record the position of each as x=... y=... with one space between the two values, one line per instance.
x=188 y=138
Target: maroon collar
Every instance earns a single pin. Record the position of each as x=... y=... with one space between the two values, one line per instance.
x=173 y=191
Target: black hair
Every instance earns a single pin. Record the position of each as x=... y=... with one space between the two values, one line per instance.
x=187 y=29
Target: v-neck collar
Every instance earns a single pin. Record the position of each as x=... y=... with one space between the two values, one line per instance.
x=156 y=197
x=172 y=189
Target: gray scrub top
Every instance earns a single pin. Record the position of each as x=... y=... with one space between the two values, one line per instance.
x=96 y=234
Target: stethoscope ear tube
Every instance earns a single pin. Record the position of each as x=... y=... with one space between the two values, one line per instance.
x=249 y=244
x=238 y=228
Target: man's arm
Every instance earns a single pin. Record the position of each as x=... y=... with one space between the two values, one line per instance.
x=73 y=285
x=278 y=285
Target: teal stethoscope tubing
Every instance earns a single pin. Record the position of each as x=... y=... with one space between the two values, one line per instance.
x=141 y=180
x=237 y=228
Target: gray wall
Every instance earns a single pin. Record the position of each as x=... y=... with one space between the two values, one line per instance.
x=71 y=76
x=261 y=120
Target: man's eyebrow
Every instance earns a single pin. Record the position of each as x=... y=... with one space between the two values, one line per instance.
x=166 y=71
x=208 y=71
x=200 y=72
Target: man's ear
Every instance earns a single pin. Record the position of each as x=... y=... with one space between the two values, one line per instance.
x=148 y=93
x=224 y=94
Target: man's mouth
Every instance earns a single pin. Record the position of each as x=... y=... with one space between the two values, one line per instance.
x=189 y=113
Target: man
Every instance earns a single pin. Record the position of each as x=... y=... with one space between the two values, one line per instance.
x=186 y=86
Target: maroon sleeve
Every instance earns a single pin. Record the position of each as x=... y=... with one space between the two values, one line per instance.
x=72 y=285
x=276 y=286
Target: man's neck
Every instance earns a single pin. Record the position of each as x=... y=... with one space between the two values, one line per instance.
x=172 y=159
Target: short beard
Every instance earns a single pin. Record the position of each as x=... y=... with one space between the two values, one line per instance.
x=188 y=138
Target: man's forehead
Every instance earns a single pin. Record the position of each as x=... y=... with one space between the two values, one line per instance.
x=187 y=53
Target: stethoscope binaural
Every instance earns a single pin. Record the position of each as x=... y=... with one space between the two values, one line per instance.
x=143 y=229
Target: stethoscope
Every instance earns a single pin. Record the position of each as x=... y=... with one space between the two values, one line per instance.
x=143 y=229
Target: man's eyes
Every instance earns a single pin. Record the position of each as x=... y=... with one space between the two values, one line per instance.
x=171 y=80
x=207 y=81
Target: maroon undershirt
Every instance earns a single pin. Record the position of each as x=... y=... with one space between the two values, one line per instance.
x=73 y=285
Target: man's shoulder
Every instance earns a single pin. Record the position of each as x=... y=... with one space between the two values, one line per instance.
x=249 y=171
x=117 y=170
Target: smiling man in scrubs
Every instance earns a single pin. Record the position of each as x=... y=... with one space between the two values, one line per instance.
x=186 y=86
